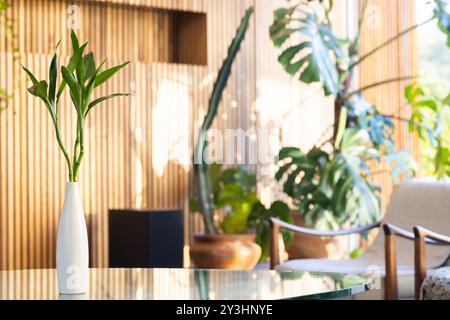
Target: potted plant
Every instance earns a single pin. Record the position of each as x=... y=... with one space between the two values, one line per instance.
x=330 y=185
x=244 y=221
x=82 y=76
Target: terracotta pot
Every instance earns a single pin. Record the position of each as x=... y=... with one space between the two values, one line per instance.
x=303 y=247
x=225 y=251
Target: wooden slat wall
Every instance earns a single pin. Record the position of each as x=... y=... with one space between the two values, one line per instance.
x=139 y=148
x=398 y=59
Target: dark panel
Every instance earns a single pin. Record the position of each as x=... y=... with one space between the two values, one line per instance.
x=165 y=239
x=146 y=238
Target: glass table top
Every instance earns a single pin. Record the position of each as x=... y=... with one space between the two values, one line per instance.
x=185 y=284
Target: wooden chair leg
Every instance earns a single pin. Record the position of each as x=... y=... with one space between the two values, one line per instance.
x=390 y=285
x=274 y=250
x=420 y=269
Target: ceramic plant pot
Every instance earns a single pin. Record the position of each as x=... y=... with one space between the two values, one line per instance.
x=303 y=247
x=72 y=249
x=225 y=251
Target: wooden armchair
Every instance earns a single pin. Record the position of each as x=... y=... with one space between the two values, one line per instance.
x=420 y=236
x=414 y=202
x=424 y=236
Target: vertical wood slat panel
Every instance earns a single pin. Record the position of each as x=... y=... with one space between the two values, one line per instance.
x=396 y=60
x=122 y=165
x=121 y=161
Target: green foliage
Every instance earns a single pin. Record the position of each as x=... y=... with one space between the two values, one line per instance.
x=332 y=188
x=81 y=76
x=381 y=131
x=329 y=191
x=430 y=118
x=443 y=18
x=234 y=194
x=202 y=178
x=4 y=96
x=313 y=58
x=260 y=220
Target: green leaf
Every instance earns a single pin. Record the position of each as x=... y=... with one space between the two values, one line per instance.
x=71 y=66
x=30 y=75
x=443 y=17
x=89 y=63
x=237 y=220
x=53 y=78
x=75 y=42
x=75 y=88
x=39 y=90
x=99 y=100
x=230 y=194
x=341 y=127
x=105 y=75
x=317 y=62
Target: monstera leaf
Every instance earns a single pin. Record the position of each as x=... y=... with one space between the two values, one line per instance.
x=315 y=57
x=331 y=190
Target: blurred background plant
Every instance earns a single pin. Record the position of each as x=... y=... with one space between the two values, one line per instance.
x=430 y=118
x=7 y=24
x=241 y=211
x=331 y=184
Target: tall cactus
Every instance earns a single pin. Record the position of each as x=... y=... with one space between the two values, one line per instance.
x=203 y=180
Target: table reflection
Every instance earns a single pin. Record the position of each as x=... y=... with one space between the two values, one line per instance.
x=181 y=284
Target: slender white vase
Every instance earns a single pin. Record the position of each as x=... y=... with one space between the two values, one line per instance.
x=72 y=249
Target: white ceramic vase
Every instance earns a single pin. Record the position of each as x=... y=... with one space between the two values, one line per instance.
x=72 y=249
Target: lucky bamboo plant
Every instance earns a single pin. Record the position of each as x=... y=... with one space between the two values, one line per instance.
x=331 y=188
x=82 y=76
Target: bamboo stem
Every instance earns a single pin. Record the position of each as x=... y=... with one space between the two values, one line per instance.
x=62 y=147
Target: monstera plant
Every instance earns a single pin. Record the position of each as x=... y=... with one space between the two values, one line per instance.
x=330 y=185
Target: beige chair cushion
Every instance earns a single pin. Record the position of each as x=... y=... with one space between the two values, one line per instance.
x=436 y=285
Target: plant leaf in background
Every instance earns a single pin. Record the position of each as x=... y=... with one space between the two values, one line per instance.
x=443 y=17
x=314 y=58
x=430 y=117
x=240 y=205
x=4 y=96
x=204 y=188
x=329 y=191
x=260 y=220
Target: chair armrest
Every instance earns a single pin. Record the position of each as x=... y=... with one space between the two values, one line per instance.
x=317 y=233
x=390 y=251
x=424 y=236
x=431 y=237
x=276 y=224
x=390 y=229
